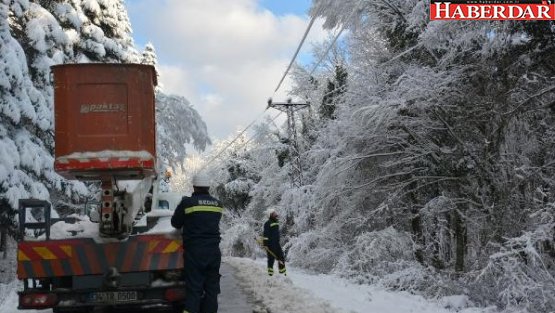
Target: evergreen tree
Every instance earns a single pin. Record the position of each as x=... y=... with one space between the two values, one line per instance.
x=24 y=159
x=335 y=89
x=177 y=124
x=149 y=55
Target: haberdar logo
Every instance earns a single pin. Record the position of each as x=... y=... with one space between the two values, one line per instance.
x=530 y=10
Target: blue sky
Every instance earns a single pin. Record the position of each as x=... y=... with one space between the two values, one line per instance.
x=225 y=57
x=278 y=7
x=281 y=7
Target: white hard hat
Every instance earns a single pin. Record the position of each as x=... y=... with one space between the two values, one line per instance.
x=201 y=180
x=270 y=211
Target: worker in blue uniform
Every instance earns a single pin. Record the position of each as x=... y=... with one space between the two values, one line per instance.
x=199 y=216
x=271 y=243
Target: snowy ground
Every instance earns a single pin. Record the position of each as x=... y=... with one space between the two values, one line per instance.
x=310 y=293
x=302 y=292
x=9 y=300
x=9 y=285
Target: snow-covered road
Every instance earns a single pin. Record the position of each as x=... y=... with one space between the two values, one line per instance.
x=247 y=288
x=232 y=299
x=302 y=292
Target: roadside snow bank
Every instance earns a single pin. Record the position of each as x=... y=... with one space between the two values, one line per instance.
x=304 y=292
x=277 y=293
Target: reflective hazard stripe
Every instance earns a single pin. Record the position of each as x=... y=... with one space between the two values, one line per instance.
x=282 y=270
x=21 y=256
x=83 y=256
x=173 y=246
x=274 y=224
x=203 y=209
x=45 y=253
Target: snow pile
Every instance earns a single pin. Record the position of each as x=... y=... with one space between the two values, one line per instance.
x=164 y=226
x=8 y=262
x=277 y=293
x=304 y=292
x=82 y=228
x=161 y=212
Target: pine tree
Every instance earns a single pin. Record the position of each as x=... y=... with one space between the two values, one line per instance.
x=177 y=124
x=149 y=55
x=21 y=161
x=335 y=89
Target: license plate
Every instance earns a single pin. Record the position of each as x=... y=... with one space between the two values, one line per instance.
x=113 y=296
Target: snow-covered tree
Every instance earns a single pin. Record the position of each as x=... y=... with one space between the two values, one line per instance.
x=99 y=30
x=149 y=55
x=26 y=168
x=442 y=144
x=441 y=119
x=177 y=124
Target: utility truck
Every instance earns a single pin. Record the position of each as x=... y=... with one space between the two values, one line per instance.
x=104 y=132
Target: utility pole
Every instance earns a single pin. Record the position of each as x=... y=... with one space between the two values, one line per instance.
x=296 y=173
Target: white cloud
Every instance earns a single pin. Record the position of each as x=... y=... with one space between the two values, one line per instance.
x=174 y=79
x=226 y=57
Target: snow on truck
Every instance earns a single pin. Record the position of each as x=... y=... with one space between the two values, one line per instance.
x=105 y=132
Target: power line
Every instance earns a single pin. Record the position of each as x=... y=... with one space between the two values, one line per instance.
x=333 y=42
x=234 y=140
x=237 y=138
x=272 y=120
x=296 y=52
x=327 y=51
x=277 y=88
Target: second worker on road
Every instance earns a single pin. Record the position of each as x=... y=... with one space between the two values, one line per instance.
x=271 y=243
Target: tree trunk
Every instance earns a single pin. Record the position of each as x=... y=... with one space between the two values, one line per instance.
x=460 y=241
x=416 y=226
x=4 y=242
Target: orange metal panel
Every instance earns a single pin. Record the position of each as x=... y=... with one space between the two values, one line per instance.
x=103 y=107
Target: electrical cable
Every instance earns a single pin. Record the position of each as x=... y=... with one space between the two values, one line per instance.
x=333 y=42
x=296 y=52
x=237 y=137
x=327 y=51
x=277 y=88
x=234 y=140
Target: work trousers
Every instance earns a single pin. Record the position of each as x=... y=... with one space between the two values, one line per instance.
x=202 y=276
x=278 y=252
